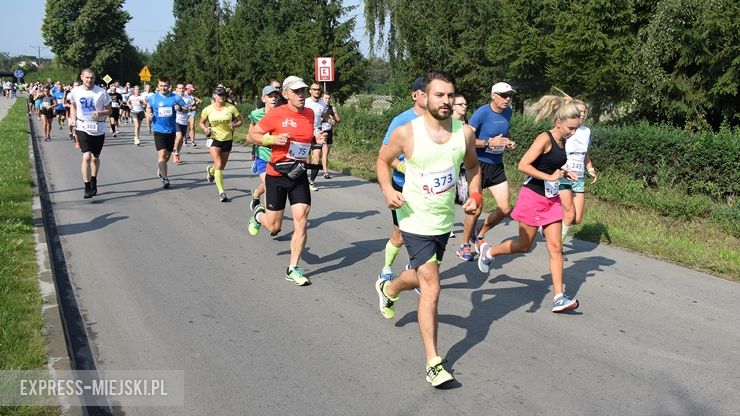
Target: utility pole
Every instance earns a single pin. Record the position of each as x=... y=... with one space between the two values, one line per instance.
x=38 y=49
x=218 y=46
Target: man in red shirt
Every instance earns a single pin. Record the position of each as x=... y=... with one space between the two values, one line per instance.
x=288 y=130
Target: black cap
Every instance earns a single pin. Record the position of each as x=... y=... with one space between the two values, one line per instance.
x=220 y=91
x=418 y=84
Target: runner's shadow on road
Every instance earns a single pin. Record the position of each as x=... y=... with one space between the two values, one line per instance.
x=332 y=184
x=593 y=233
x=474 y=277
x=347 y=256
x=576 y=274
x=96 y=223
x=341 y=215
x=490 y=305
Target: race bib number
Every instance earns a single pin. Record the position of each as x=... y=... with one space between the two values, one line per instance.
x=114 y=104
x=299 y=151
x=89 y=126
x=552 y=188
x=435 y=183
x=325 y=126
x=164 y=111
x=497 y=150
x=181 y=118
x=575 y=164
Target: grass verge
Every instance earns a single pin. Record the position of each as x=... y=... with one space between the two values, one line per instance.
x=22 y=343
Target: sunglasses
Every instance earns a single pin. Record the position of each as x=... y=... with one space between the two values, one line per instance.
x=505 y=96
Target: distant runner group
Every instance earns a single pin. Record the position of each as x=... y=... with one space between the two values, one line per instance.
x=429 y=151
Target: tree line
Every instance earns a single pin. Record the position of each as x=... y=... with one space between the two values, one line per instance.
x=244 y=45
x=670 y=61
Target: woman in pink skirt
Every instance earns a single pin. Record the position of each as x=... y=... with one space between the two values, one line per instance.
x=538 y=204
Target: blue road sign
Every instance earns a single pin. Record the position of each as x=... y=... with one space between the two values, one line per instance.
x=18 y=73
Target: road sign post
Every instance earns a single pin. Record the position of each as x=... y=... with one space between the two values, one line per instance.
x=324 y=70
x=107 y=79
x=18 y=75
x=145 y=74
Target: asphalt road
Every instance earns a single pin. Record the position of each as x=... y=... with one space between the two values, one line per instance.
x=171 y=280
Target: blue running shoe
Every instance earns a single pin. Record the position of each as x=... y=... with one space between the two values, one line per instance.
x=465 y=252
x=563 y=304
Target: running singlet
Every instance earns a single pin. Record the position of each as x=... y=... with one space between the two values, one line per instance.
x=298 y=124
x=47 y=101
x=488 y=123
x=146 y=96
x=163 y=112
x=219 y=120
x=59 y=95
x=576 y=148
x=86 y=101
x=399 y=120
x=115 y=100
x=263 y=152
x=431 y=175
x=547 y=163
x=318 y=108
x=137 y=103
x=182 y=117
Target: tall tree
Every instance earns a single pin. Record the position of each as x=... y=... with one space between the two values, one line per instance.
x=591 y=42
x=87 y=33
x=190 y=51
x=59 y=17
x=686 y=67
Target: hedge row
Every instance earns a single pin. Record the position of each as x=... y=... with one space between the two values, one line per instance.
x=703 y=163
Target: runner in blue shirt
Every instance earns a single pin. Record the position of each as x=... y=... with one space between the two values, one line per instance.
x=491 y=123
x=58 y=92
x=162 y=108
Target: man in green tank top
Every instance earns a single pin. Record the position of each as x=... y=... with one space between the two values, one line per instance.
x=434 y=145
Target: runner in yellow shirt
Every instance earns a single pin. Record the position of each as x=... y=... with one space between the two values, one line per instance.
x=218 y=122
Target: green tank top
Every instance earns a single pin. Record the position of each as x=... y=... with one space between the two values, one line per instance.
x=431 y=175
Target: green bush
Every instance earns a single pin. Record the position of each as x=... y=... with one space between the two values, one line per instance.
x=699 y=163
x=362 y=128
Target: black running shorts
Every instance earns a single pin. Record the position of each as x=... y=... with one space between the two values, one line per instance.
x=88 y=143
x=493 y=174
x=225 y=145
x=422 y=248
x=164 y=141
x=278 y=188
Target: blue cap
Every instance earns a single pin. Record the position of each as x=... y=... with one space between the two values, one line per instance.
x=269 y=90
x=418 y=84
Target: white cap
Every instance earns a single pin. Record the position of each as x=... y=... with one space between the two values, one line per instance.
x=294 y=83
x=502 y=88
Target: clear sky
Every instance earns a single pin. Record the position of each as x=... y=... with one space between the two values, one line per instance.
x=152 y=19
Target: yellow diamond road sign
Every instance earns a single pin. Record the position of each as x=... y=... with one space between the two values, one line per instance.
x=107 y=79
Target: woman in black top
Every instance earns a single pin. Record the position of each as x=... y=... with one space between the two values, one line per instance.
x=538 y=204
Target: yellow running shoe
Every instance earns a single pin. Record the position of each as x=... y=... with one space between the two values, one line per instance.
x=387 y=308
x=296 y=276
x=436 y=373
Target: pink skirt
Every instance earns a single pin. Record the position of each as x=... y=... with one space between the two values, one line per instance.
x=536 y=210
